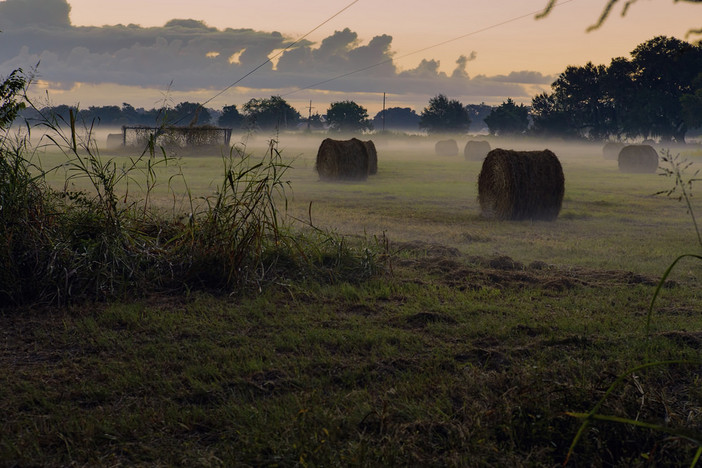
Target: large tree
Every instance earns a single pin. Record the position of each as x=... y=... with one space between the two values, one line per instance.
x=230 y=117
x=103 y=115
x=550 y=118
x=580 y=99
x=650 y=95
x=692 y=105
x=444 y=115
x=665 y=70
x=347 y=116
x=397 y=118
x=188 y=114
x=508 y=119
x=271 y=113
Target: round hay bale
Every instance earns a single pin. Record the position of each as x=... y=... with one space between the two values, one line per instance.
x=611 y=150
x=638 y=159
x=342 y=160
x=114 y=141
x=476 y=150
x=446 y=148
x=521 y=185
x=372 y=157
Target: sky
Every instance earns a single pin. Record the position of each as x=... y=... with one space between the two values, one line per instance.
x=155 y=52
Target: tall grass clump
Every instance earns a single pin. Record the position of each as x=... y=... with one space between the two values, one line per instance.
x=26 y=222
x=25 y=225
x=238 y=236
x=105 y=240
x=241 y=238
x=62 y=245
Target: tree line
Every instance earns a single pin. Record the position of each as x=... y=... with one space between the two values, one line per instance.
x=256 y=114
x=655 y=94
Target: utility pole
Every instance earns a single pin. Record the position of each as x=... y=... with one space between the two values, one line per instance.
x=383 y=112
x=309 y=117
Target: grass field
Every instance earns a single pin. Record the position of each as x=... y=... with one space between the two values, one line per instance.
x=467 y=350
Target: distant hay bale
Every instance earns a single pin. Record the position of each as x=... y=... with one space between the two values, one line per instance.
x=343 y=160
x=476 y=150
x=446 y=148
x=114 y=141
x=372 y=157
x=611 y=150
x=521 y=185
x=641 y=159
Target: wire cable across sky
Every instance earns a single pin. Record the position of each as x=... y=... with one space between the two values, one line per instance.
x=424 y=49
x=270 y=59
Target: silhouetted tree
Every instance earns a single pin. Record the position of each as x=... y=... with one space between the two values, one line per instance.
x=60 y=113
x=665 y=70
x=578 y=92
x=692 y=105
x=549 y=118
x=618 y=88
x=102 y=115
x=271 y=113
x=188 y=113
x=444 y=116
x=650 y=95
x=230 y=117
x=508 y=119
x=347 y=116
x=397 y=118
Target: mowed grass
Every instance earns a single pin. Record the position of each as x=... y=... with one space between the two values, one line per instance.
x=455 y=356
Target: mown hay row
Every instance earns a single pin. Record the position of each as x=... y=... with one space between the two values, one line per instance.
x=343 y=160
x=476 y=150
x=638 y=159
x=446 y=148
x=610 y=150
x=519 y=185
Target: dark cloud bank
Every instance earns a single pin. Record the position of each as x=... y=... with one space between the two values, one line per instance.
x=193 y=55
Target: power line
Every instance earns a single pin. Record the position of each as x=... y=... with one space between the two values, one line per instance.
x=268 y=60
x=472 y=33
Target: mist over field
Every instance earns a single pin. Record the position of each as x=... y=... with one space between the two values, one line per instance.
x=346 y=260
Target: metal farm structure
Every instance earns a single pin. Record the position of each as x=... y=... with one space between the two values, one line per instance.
x=173 y=136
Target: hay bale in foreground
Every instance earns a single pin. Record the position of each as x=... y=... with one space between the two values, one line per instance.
x=343 y=160
x=446 y=148
x=520 y=185
x=372 y=157
x=476 y=150
x=611 y=150
x=638 y=159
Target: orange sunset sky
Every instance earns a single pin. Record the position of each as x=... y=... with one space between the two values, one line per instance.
x=506 y=51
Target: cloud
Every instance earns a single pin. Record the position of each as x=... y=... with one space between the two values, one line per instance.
x=45 y=13
x=194 y=56
x=462 y=63
x=524 y=77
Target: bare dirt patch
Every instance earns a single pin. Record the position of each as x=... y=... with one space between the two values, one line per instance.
x=472 y=272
